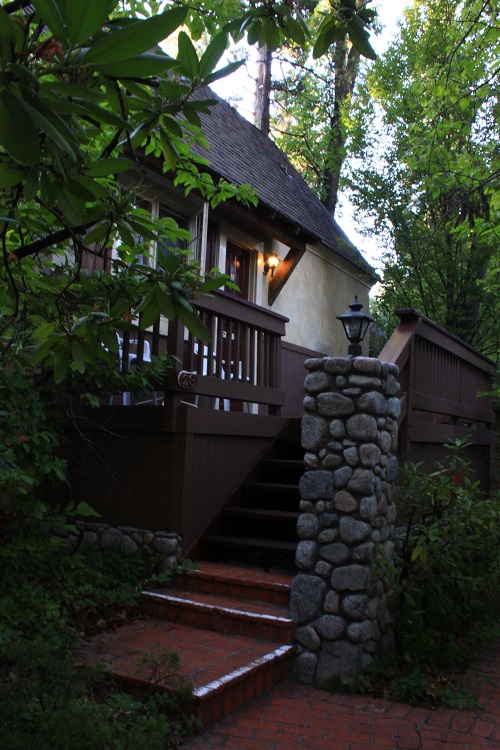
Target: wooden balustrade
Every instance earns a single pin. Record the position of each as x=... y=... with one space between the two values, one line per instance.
x=445 y=385
x=240 y=363
x=242 y=360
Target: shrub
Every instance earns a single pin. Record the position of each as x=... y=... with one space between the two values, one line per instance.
x=47 y=703
x=48 y=597
x=446 y=604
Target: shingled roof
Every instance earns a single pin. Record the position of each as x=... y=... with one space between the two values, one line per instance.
x=240 y=153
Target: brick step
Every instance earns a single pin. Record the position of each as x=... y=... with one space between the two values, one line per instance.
x=238 y=581
x=226 y=671
x=222 y=613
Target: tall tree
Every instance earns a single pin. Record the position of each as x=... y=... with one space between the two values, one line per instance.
x=313 y=97
x=263 y=86
x=428 y=172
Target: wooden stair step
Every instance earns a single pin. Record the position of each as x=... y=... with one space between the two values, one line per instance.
x=272 y=487
x=230 y=615
x=293 y=463
x=252 y=542
x=265 y=513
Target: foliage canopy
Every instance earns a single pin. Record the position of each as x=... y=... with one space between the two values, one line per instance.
x=425 y=166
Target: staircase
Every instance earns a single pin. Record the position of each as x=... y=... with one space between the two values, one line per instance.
x=230 y=627
x=258 y=525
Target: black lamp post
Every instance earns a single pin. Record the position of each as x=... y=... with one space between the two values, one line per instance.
x=355 y=325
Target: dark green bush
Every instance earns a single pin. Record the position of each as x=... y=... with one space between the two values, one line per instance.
x=447 y=602
x=46 y=591
x=47 y=703
x=48 y=598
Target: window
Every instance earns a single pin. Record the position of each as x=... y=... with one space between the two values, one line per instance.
x=164 y=245
x=205 y=239
x=239 y=264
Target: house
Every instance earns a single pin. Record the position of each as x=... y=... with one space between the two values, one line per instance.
x=228 y=400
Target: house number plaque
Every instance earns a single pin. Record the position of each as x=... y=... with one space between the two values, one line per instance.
x=187 y=379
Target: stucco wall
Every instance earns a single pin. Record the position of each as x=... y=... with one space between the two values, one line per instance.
x=320 y=288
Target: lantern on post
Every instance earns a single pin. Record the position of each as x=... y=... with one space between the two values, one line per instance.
x=356 y=325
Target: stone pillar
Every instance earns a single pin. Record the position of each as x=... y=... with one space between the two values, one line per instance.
x=339 y=597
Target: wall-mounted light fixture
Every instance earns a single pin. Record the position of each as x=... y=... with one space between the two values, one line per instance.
x=355 y=326
x=271 y=264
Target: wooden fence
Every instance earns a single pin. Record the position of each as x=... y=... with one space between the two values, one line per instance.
x=441 y=379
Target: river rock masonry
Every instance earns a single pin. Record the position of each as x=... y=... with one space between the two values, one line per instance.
x=339 y=598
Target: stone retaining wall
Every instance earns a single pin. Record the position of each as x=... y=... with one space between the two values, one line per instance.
x=339 y=598
x=163 y=547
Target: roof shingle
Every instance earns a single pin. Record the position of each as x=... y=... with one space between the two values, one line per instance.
x=240 y=153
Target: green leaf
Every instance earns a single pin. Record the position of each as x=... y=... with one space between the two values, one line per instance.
x=167 y=307
x=106 y=167
x=84 y=509
x=42 y=331
x=329 y=32
x=77 y=356
x=270 y=35
x=69 y=89
x=103 y=115
x=359 y=38
x=47 y=126
x=72 y=213
x=294 y=31
x=212 y=54
x=191 y=115
x=10 y=175
x=211 y=284
x=51 y=15
x=149 y=309
x=61 y=363
x=7 y=37
x=85 y=17
x=192 y=321
x=108 y=338
x=223 y=72
x=18 y=134
x=79 y=190
x=42 y=351
x=190 y=65
x=142 y=66
x=92 y=187
x=168 y=151
x=253 y=32
x=171 y=124
x=126 y=233
x=135 y=38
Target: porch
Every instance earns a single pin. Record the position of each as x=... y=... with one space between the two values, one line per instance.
x=171 y=459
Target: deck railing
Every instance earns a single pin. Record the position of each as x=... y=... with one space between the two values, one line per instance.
x=239 y=368
x=442 y=381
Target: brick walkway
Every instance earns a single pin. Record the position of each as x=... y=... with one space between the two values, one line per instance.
x=296 y=716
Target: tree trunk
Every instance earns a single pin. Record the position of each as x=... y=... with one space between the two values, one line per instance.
x=263 y=90
x=346 y=69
